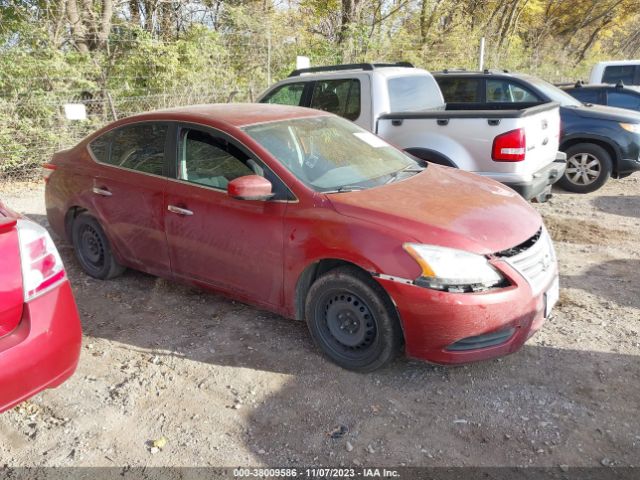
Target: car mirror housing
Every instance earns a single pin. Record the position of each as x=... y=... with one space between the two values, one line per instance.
x=250 y=187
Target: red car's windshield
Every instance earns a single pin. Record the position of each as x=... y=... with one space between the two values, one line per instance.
x=332 y=154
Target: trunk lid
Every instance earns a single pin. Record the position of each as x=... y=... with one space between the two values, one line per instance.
x=11 y=293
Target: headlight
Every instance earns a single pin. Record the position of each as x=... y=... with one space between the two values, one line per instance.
x=631 y=127
x=453 y=270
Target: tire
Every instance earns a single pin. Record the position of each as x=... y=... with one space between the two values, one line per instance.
x=92 y=248
x=582 y=174
x=352 y=320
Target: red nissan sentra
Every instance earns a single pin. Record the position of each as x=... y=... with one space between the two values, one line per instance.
x=305 y=214
x=39 y=324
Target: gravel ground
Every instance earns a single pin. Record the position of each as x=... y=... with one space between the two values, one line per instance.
x=227 y=384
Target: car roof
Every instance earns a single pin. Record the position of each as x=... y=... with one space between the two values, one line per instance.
x=607 y=63
x=230 y=114
x=602 y=86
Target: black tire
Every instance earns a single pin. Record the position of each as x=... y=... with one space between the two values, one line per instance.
x=92 y=248
x=583 y=181
x=352 y=320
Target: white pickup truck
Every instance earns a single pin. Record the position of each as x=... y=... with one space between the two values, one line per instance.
x=404 y=105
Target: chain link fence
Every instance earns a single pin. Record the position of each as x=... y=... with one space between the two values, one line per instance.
x=33 y=128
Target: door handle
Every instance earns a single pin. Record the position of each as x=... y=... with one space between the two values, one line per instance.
x=102 y=191
x=179 y=211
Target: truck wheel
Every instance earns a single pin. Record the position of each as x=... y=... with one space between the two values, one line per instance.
x=352 y=320
x=588 y=168
x=92 y=248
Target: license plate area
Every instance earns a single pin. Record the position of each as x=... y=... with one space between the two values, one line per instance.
x=551 y=297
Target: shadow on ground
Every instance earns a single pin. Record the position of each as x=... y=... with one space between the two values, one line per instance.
x=614 y=280
x=626 y=206
x=542 y=405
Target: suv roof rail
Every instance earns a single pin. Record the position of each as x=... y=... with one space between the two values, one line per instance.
x=349 y=66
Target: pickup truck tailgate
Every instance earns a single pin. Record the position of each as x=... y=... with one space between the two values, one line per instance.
x=11 y=295
x=542 y=131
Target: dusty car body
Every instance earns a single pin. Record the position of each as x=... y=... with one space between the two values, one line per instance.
x=261 y=203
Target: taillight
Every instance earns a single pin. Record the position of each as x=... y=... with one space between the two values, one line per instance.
x=42 y=267
x=47 y=170
x=510 y=146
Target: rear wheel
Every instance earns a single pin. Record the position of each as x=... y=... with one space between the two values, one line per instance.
x=588 y=168
x=92 y=248
x=352 y=320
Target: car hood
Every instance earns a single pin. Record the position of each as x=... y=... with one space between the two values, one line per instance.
x=447 y=207
x=604 y=112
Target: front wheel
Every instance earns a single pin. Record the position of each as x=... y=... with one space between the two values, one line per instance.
x=589 y=167
x=352 y=320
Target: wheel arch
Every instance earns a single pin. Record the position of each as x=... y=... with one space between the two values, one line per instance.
x=314 y=271
x=609 y=147
x=69 y=217
x=431 y=156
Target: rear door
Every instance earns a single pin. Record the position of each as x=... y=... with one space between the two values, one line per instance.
x=128 y=191
x=236 y=245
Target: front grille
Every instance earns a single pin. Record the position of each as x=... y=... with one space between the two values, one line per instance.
x=536 y=262
x=482 y=341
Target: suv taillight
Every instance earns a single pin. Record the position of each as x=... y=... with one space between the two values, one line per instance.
x=510 y=146
x=42 y=267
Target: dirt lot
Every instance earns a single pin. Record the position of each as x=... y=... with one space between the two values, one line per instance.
x=227 y=384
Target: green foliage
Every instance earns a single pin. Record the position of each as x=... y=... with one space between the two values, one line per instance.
x=224 y=50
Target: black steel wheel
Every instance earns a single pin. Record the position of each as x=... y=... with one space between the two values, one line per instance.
x=352 y=320
x=92 y=248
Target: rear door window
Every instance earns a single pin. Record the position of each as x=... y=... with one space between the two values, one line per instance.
x=341 y=97
x=139 y=147
x=289 y=94
x=623 y=100
x=461 y=90
x=504 y=91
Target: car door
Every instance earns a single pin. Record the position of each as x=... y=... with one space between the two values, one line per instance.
x=128 y=192
x=236 y=245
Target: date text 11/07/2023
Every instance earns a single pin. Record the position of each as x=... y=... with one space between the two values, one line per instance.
x=315 y=473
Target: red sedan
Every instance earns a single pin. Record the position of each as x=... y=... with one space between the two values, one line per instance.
x=39 y=325
x=307 y=215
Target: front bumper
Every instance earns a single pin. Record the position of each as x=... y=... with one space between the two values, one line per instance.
x=627 y=167
x=435 y=322
x=44 y=350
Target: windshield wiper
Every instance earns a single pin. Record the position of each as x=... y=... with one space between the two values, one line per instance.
x=345 y=188
x=408 y=169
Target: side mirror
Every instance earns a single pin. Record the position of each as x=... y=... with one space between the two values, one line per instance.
x=250 y=187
